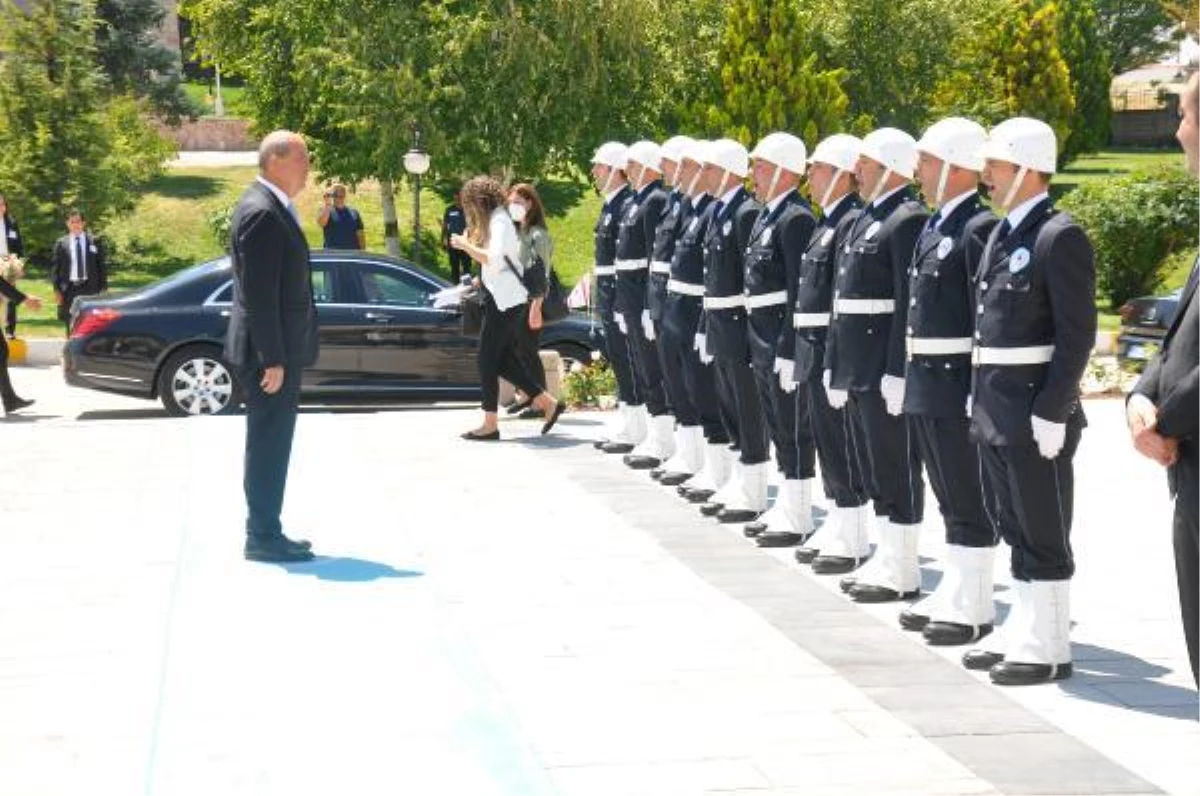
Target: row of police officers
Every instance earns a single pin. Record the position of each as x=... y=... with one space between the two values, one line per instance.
x=886 y=335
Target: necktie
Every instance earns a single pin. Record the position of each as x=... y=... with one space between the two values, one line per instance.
x=931 y=226
x=80 y=265
x=1005 y=228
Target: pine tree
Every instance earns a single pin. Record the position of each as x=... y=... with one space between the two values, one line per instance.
x=771 y=78
x=129 y=52
x=1090 y=68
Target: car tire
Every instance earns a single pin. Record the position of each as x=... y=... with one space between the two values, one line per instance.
x=198 y=380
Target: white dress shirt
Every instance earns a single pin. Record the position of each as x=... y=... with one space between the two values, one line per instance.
x=78 y=245
x=1018 y=213
x=949 y=207
x=505 y=287
x=283 y=198
x=3 y=237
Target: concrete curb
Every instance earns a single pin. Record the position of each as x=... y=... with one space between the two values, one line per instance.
x=39 y=352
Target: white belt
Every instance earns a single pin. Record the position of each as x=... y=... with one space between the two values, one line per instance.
x=766 y=299
x=1026 y=355
x=807 y=320
x=864 y=306
x=632 y=265
x=659 y=267
x=685 y=288
x=939 y=346
x=724 y=302
x=605 y=270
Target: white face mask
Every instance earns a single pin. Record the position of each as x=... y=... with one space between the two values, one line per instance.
x=517 y=211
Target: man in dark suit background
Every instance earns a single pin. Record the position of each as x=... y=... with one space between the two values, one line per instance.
x=78 y=266
x=272 y=335
x=1164 y=409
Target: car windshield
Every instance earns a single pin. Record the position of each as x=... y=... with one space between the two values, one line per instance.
x=185 y=276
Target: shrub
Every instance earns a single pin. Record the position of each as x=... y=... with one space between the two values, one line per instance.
x=219 y=222
x=1134 y=223
x=588 y=385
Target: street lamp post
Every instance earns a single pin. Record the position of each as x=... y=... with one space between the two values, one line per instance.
x=416 y=163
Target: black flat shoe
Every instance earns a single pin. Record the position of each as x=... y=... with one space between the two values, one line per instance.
x=737 y=515
x=637 y=462
x=835 y=565
x=710 y=509
x=806 y=555
x=18 y=404
x=754 y=529
x=531 y=414
x=847 y=583
x=518 y=406
x=491 y=436
x=559 y=408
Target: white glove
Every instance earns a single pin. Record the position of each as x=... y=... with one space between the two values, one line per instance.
x=647 y=325
x=701 y=346
x=893 y=394
x=620 y=319
x=1048 y=436
x=837 y=398
x=786 y=369
x=969 y=402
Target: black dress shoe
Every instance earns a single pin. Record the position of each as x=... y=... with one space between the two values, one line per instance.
x=911 y=620
x=474 y=436
x=870 y=593
x=754 y=529
x=981 y=660
x=600 y=443
x=657 y=473
x=699 y=495
x=17 y=404
x=806 y=555
x=638 y=462
x=737 y=515
x=835 y=565
x=275 y=549
x=779 y=539
x=1012 y=673
x=952 y=634
x=673 y=479
x=559 y=408
x=709 y=509
x=847 y=583
x=617 y=447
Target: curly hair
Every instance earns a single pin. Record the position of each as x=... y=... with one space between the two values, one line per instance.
x=480 y=197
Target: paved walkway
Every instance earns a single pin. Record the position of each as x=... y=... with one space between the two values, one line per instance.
x=520 y=618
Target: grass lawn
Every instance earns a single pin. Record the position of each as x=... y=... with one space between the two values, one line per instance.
x=1112 y=163
x=231 y=96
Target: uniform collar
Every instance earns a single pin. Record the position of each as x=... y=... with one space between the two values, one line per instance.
x=778 y=200
x=648 y=188
x=947 y=209
x=829 y=210
x=885 y=198
x=283 y=198
x=608 y=198
x=727 y=197
x=1019 y=213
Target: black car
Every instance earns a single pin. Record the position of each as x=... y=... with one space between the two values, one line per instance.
x=1144 y=324
x=381 y=337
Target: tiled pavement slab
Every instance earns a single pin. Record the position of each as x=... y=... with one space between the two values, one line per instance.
x=520 y=618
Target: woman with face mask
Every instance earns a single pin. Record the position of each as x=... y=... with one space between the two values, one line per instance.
x=537 y=251
x=491 y=240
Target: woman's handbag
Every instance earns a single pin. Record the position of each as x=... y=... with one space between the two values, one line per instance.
x=472 y=313
x=554 y=305
x=547 y=288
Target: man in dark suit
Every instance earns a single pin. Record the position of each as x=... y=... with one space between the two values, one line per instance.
x=1163 y=415
x=272 y=335
x=77 y=266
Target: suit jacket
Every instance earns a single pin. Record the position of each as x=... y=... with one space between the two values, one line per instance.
x=777 y=244
x=1036 y=287
x=95 y=267
x=665 y=236
x=681 y=315
x=273 y=320
x=724 y=276
x=635 y=241
x=607 y=226
x=1172 y=383
x=814 y=287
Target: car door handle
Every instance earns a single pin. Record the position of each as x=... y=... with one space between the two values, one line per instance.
x=382 y=317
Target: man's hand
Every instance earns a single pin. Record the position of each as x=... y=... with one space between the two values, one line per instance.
x=33 y=302
x=1142 y=417
x=272 y=379
x=58 y=297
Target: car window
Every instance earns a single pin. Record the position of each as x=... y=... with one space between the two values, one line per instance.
x=392 y=287
x=322 y=285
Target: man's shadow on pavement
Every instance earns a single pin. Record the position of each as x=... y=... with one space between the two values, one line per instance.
x=1099 y=668
x=348 y=570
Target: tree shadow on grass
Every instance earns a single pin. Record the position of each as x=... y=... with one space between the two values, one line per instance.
x=559 y=195
x=185 y=186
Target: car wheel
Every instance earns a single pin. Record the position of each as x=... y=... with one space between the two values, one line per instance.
x=570 y=354
x=198 y=381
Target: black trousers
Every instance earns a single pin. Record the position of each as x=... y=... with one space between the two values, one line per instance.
x=10 y=322
x=841 y=473
x=500 y=354
x=460 y=264
x=955 y=472
x=7 y=394
x=788 y=424
x=529 y=341
x=617 y=347
x=692 y=386
x=738 y=398
x=270 y=426
x=892 y=470
x=1034 y=499
x=646 y=369
x=1187 y=550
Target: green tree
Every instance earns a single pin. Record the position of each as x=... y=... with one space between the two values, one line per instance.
x=770 y=79
x=129 y=52
x=1036 y=80
x=65 y=142
x=1091 y=73
x=1137 y=32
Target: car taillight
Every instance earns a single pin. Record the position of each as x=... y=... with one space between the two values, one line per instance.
x=92 y=321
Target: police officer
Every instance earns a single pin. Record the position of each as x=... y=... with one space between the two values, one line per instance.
x=941 y=322
x=1035 y=327
x=831 y=181
x=704 y=458
x=865 y=364
x=639 y=222
x=772 y=268
x=723 y=327
x=608 y=173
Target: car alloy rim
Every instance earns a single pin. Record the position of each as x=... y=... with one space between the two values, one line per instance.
x=202 y=386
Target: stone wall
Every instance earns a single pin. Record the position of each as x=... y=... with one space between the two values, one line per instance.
x=209 y=135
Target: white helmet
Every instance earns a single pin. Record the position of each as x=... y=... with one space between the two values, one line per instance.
x=784 y=150
x=892 y=148
x=675 y=146
x=1029 y=143
x=730 y=156
x=645 y=153
x=696 y=151
x=840 y=151
x=956 y=141
x=611 y=154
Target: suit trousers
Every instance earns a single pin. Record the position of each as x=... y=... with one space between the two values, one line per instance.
x=10 y=321
x=788 y=424
x=616 y=346
x=500 y=353
x=892 y=469
x=1187 y=548
x=738 y=398
x=841 y=473
x=270 y=426
x=955 y=472
x=7 y=394
x=646 y=369
x=692 y=386
x=1034 y=500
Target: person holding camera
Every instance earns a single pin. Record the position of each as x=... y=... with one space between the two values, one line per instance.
x=537 y=251
x=491 y=240
x=341 y=223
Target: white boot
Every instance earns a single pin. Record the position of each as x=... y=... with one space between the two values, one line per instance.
x=967 y=600
x=689 y=451
x=614 y=426
x=789 y=520
x=657 y=446
x=731 y=489
x=750 y=498
x=849 y=543
x=893 y=572
x=992 y=649
x=1045 y=634
x=634 y=431
x=718 y=460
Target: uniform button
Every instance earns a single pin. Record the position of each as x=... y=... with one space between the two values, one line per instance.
x=979 y=335
x=980 y=310
x=983 y=285
x=912 y=302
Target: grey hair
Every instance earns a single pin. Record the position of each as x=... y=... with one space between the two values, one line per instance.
x=277 y=144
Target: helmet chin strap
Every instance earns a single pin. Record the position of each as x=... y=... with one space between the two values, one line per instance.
x=607 y=182
x=837 y=175
x=887 y=172
x=1016 y=186
x=774 y=182
x=941 y=189
x=691 y=189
